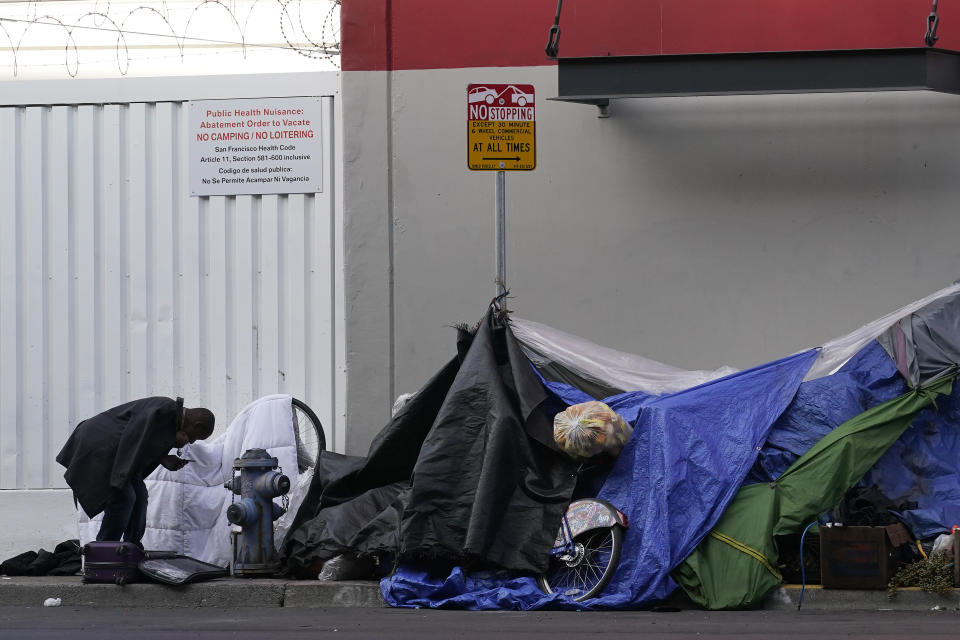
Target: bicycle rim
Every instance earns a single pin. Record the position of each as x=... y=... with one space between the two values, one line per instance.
x=309 y=435
x=589 y=574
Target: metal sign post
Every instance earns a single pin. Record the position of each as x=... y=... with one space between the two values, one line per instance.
x=500 y=235
x=501 y=137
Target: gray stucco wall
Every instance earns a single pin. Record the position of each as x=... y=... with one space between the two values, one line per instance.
x=367 y=255
x=695 y=231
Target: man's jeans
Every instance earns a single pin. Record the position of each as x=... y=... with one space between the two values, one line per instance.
x=125 y=514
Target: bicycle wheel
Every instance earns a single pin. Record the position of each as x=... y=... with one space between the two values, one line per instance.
x=309 y=434
x=586 y=571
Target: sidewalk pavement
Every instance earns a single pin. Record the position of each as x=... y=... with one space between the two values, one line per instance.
x=240 y=592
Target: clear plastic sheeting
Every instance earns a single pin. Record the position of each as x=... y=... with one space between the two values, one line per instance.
x=298 y=491
x=602 y=372
x=836 y=353
x=589 y=366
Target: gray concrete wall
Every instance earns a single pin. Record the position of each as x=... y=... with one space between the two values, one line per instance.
x=695 y=231
x=36 y=519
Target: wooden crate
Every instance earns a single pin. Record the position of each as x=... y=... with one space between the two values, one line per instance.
x=956 y=558
x=855 y=558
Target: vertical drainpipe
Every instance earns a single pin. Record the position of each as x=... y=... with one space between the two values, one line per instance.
x=390 y=209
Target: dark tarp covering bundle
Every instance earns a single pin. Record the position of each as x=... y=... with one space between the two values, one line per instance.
x=353 y=504
x=63 y=561
x=466 y=472
x=924 y=344
x=684 y=463
x=719 y=460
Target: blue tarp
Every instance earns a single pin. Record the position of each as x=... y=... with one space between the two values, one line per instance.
x=687 y=457
x=868 y=379
x=922 y=466
x=418 y=587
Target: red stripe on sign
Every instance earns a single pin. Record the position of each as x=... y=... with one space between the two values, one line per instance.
x=501 y=102
x=430 y=34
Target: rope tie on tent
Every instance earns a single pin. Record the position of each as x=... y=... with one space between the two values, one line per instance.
x=924 y=390
x=750 y=551
x=499 y=304
x=498 y=300
x=933 y=21
x=553 y=40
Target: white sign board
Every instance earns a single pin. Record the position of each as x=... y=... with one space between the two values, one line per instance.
x=255 y=146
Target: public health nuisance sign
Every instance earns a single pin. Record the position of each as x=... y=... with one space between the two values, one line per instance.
x=255 y=146
x=501 y=127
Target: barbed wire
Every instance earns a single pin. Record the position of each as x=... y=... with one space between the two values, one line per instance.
x=175 y=56
x=290 y=13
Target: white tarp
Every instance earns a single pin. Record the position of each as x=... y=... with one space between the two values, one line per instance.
x=606 y=366
x=629 y=372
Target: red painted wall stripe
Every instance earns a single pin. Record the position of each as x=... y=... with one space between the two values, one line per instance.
x=432 y=34
x=363 y=35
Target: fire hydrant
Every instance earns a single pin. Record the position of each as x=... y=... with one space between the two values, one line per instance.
x=257 y=484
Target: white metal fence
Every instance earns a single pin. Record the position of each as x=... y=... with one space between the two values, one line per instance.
x=116 y=284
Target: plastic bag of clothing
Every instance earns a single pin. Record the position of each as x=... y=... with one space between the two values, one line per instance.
x=348 y=566
x=589 y=429
x=944 y=543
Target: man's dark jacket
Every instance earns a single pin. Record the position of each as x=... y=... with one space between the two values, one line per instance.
x=106 y=451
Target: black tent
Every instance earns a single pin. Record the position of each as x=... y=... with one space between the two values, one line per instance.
x=467 y=472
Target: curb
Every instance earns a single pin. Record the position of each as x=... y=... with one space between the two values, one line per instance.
x=267 y=593
x=225 y=593
x=816 y=598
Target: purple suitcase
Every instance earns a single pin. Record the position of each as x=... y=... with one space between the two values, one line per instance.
x=112 y=562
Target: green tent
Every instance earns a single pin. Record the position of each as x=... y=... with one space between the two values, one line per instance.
x=734 y=567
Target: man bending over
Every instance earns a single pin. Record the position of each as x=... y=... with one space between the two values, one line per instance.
x=108 y=456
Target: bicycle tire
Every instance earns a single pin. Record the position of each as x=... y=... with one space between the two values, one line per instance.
x=309 y=435
x=587 y=576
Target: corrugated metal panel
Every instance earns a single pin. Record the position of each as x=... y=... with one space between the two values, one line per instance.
x=116 y=284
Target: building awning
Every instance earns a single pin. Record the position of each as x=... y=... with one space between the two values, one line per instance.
x=597 y=80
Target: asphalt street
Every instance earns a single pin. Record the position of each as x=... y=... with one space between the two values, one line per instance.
x=60 y=623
